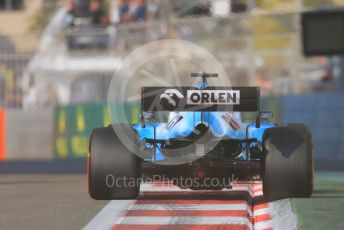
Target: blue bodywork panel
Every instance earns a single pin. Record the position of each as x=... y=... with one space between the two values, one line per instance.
x=182 y=124
x=222 y=125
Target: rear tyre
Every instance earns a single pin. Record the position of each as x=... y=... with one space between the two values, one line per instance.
x=287 y=169
x=112 y=168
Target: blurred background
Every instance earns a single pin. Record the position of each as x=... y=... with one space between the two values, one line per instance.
x=57 y=59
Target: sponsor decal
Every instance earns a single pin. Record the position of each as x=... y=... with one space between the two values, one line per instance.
x=193 y=99
x=213 y=97
x=171 y=97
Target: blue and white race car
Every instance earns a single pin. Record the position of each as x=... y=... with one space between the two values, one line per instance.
x=194 y=136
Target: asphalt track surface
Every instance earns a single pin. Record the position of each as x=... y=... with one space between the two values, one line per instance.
x=45 y=195
x=53 y=195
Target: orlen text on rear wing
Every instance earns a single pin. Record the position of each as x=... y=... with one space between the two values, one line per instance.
x=240 y=99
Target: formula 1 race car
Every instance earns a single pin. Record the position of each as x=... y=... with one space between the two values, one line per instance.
x=204 y=137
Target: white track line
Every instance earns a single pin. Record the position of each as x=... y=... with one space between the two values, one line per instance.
x=110 y=215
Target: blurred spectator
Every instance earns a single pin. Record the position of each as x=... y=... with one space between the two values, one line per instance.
x=71 y=13
x=334 y=70
x=152 y=10
x=327 y=76
x=91 y=11
x=264 y=83
x=123 y=10
x=132 y=11
x=202 y=9
x=187 y=8
x=98 y=15
x=82 y=8
x=238 y=6
x=283 y=84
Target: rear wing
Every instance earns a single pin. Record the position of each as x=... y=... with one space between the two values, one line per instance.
x=240 y=99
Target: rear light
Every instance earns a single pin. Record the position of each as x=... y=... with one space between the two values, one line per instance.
x=200 y=174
